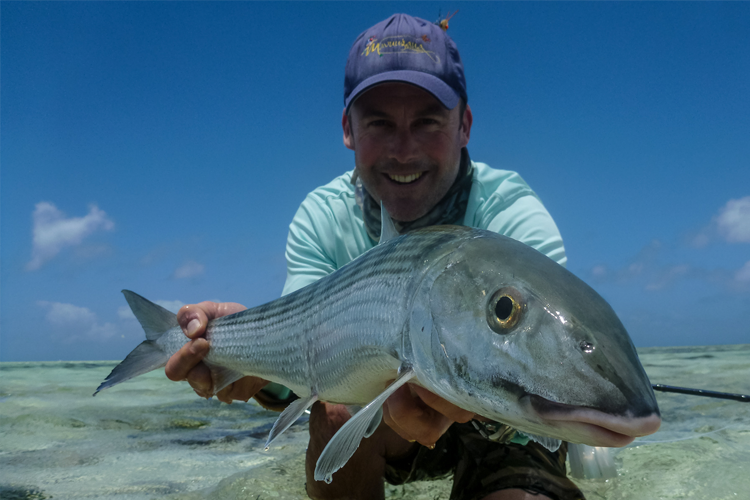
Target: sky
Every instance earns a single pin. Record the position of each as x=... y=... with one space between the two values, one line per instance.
x=165 y=147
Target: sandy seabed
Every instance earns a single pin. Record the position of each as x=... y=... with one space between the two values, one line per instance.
x=150 y=438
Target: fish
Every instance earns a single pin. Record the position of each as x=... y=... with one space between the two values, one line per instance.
x=482 y=320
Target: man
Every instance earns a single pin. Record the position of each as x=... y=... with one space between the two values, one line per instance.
x=407 y=120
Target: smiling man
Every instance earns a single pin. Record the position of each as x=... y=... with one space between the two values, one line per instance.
x=407 y=119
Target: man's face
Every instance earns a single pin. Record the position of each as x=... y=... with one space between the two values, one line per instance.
x=407 y=147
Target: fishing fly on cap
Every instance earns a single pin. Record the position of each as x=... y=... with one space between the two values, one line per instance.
x=443 y=23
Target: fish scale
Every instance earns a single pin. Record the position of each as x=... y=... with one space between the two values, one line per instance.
x=424 y=308
x=334 y=334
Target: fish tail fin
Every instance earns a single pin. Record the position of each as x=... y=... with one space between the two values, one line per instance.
x=149 y=355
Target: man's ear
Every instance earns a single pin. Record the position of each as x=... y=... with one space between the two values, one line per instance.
x=466 y=122
x=347 y=126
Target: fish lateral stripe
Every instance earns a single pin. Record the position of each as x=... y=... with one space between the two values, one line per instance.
x=418 y=303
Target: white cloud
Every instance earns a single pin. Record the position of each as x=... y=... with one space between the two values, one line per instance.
x=599 y=271
x=667 y=277
x=53 y=231
x=743 y=274
x=171 y=305
x=124 y=312
x=733 y=221
x=189 y=270
x=72 y=322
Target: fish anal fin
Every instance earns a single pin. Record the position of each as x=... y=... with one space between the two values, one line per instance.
x=345 y=442
x=551 y=444
x=290 y=415
x=222 y=376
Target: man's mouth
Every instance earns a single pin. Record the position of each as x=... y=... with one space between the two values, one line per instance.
x=405 y=179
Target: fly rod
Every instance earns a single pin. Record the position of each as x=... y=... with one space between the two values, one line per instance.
x=702 y=392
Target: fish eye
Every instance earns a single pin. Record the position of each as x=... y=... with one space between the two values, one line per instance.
x=504 y=309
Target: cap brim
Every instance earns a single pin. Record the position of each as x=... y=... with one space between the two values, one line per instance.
x=432 y=84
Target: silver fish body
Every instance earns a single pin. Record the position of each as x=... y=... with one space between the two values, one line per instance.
x=482 y=320
x=343 y=337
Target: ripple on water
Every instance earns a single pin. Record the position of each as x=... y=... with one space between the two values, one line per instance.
x=150 y=437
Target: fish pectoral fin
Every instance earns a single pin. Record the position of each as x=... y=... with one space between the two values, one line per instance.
x=374 y=422
x=290 y=415
x=352 y=409
x=222 y=376
x=345 y=442
x=551 y=444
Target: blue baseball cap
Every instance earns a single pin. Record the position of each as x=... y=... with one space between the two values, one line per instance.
x=406 y=49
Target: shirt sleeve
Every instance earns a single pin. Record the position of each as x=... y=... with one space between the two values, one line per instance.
x=528 y=221
x=502 y=202
x=306 y=257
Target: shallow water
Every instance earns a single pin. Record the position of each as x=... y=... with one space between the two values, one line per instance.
x=151 y=438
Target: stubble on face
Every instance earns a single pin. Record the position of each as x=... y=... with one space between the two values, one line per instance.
x=407 y=147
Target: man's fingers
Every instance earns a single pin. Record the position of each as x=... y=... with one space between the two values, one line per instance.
x=184 y=360
x=224 y=394
x=200 y=380
x=390 y=422
x=186 y=364
x=193 y=318
x=442 y=406
x=413 y=420
x=241 y=390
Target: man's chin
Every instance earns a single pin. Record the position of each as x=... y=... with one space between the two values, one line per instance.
x=405 y=212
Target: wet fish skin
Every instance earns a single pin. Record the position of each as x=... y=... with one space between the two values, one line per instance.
x=415 y=308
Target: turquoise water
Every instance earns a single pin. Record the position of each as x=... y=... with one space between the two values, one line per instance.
x=151 y=438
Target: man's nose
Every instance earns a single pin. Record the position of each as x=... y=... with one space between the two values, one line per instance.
x=403 y=147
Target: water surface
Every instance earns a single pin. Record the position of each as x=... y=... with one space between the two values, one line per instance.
x=150 y=438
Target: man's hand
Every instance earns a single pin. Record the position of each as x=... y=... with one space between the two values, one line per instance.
x=186 y=364
x=416 y=414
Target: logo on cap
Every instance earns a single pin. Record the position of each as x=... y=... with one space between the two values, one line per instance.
x=399 y=44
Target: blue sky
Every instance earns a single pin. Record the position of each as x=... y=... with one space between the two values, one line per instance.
x=164 y=148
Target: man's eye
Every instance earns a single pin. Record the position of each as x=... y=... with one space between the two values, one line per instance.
x=377 y=123
x=428 y=121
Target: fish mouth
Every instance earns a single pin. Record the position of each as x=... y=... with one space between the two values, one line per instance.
x=593 y=427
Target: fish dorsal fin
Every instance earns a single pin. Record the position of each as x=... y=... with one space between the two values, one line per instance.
x=154 y=319
x=551 y=444
x=290 y=415
x=345 y=442
x=387 y=229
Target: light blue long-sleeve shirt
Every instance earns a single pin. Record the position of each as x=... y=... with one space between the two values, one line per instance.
x=328 y=230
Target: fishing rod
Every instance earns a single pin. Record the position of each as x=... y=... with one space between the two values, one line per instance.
x=702 y=392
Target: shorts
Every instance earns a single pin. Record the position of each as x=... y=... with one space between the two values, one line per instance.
x=481 y=467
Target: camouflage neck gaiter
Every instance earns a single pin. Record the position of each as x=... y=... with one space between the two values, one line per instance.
x=449 y=210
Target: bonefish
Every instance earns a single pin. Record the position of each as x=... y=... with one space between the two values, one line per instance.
x=482 y=320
